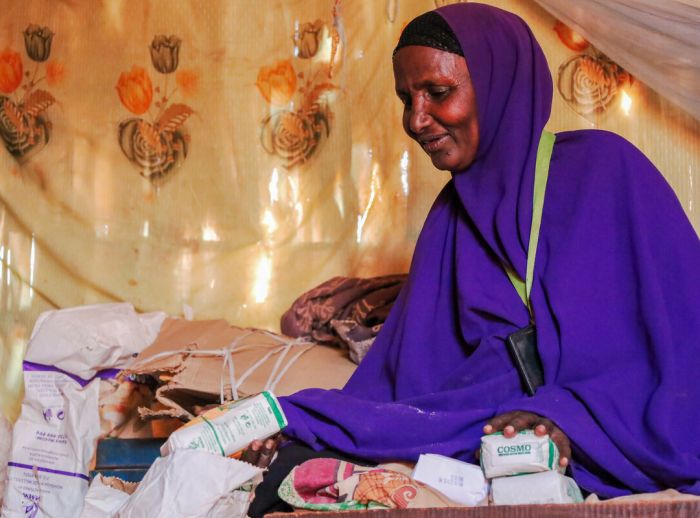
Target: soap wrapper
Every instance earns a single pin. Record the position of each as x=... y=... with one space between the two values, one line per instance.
x=547 y=487
x=459 y=481
x=524 y=453
x=229 y=428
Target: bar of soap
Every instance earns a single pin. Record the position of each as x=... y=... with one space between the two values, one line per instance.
x=524 y=453
x=547 y=487
x=461 y=482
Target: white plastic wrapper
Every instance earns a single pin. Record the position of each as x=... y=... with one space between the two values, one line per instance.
x=547 y=487
x=191 y=483
x=233 y=505
x=53 y=442
x=459 y=481
x=86 y=339
x=102 y=500
x=231 y=427
x=524 y=453
x=5 y=443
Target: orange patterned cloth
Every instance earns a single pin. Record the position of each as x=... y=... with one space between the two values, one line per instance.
x=327 y=484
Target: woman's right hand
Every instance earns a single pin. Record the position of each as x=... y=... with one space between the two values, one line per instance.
x=259 y=453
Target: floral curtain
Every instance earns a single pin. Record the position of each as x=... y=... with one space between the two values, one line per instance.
x=658 y=42
x=217 y=159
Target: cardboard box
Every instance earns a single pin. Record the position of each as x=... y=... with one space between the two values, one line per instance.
x=187 y=361
x=638 y=509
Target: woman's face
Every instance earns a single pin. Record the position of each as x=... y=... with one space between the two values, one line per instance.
x=439 y=105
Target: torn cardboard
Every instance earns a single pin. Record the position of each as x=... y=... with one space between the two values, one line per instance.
x=179 y=360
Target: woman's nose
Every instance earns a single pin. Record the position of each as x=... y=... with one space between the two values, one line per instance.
x=419 y=118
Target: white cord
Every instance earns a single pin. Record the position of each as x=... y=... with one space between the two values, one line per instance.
x=272 y=386
x=276 y=366
x=227 y=353
x=257 y=364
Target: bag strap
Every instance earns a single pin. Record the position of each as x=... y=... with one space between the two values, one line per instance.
x=544 y=155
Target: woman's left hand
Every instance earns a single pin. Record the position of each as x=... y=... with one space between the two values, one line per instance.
x=513 y=422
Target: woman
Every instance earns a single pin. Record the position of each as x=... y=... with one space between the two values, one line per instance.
x=614 y=296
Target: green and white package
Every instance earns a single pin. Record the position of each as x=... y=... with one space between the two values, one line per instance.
x=229 y=428
x=524 y=453
x=547 y=487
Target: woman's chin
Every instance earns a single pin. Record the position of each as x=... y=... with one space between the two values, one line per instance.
x=443 y=163
x=448 y=162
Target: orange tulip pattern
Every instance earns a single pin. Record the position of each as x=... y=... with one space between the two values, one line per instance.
x=570 y=38
x=10 y=71
x=135 y=90
x=24 y=124
x=295 y=135
x=277 y=82
x=156 y=145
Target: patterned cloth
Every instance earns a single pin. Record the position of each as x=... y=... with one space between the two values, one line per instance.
x=343 y=311
x=327 y=484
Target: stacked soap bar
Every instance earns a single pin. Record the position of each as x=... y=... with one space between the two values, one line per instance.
x=524 y=453
x=546 y=487
x=525 y=470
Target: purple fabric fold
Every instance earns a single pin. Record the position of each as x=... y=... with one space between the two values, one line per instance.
x=615 y=298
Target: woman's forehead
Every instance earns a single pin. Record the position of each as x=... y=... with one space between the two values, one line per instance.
x=415 y=65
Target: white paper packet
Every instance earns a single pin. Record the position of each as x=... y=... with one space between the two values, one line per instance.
x=547 y=487
x=53 y=442
x=187 y=483
x=459 y=481
x=524 y=453
x=86 y=339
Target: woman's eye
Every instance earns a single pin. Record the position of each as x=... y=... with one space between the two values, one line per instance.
x=438 y=93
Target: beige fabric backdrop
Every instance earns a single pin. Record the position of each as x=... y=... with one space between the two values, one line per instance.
x=296 y=168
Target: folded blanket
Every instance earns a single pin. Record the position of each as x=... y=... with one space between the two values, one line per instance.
x=326 y=484
x=343 y=311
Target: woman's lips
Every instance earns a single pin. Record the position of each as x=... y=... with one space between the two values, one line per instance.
x=433 y=144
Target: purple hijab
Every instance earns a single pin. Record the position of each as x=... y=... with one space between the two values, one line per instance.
x=615 y=297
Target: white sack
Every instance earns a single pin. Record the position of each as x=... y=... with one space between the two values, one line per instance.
x=53 y=442
x=86 y=339
x=5 y=444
